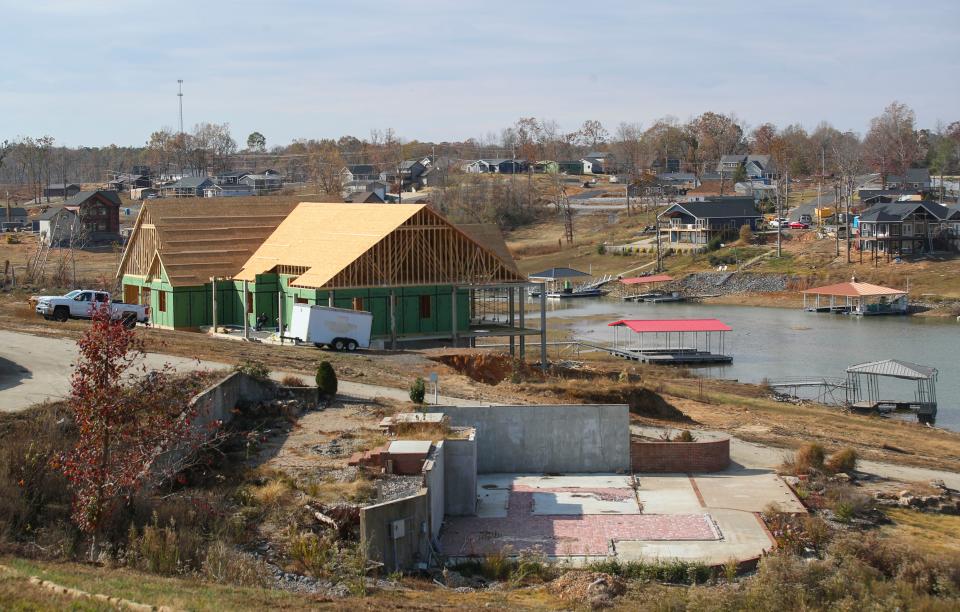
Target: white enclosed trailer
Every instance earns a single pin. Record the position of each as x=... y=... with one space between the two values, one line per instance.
x=338 y=328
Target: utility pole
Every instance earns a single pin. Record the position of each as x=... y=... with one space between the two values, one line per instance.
x=820 y=185
x=779 y=223
x=656 y=226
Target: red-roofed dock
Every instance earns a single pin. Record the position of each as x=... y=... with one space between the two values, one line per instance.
x=671 y=341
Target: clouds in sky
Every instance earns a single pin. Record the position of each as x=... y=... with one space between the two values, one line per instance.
x=104 y=71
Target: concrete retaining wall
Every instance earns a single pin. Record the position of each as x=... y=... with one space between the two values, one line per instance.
x=684 y=457
x=435 y=482
x=547 y=438
x=376 y=537
x=460 y=478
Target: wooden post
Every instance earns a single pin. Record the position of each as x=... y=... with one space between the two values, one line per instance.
x=543 y=326
x=522 y=298
x=393 y=319
x=453 y=315
x=246 y=315
x=511 y=319
x=280 y=310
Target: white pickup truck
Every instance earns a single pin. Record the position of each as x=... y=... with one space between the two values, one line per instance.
x=79 y=303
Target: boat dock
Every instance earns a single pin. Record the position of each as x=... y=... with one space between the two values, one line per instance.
x=671 y=341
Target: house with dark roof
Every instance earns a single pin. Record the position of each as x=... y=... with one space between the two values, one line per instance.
x=99 y=215
x=364 y=197
x=13 y=215
x=869 y=197
x=265 y=182
x=60 y=190
x=187 y=187
x=904 y=228
x=359 y=172
x=601 y=162
x=231 y=177
x=757 y=167
x=699 y=222
x=913 y=178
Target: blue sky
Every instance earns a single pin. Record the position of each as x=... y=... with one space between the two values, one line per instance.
x=96 y=72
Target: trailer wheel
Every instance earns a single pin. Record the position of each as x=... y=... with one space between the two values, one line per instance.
x=61 y=313
x=338 y=344
x=351 y=345
x=319 y=345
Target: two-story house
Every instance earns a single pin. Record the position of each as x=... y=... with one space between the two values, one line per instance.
x=904 y=228
x=699 y=222
x=756 y=167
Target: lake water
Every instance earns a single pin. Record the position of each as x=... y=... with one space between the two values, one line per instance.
x=779 y=343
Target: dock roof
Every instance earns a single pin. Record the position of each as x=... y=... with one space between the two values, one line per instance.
x=854 y=289
x=642 y=326
x=555 y=273
x=896 y=369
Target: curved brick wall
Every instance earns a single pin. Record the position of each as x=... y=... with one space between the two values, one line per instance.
x=652 y=456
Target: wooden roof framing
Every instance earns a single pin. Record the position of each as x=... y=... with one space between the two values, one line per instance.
x=192 y=242
x=337 y=246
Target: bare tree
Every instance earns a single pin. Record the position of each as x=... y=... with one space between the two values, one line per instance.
x=891 y=144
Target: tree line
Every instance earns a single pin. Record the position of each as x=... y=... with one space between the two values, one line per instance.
x=892 y=144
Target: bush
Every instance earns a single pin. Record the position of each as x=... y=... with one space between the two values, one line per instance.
x=418 y=390
x=844 y=460
x=601 y=249
x=808 y=458
x=326 y=380
x=225 y=564
x=314 y=555
x=746 y=234
x=164 y=550
x=292 y=381
x=684 y=436
x=253 y=369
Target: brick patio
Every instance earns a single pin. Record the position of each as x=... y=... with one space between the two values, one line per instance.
x=563 y=535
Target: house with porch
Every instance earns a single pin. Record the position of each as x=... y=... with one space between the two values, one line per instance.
x=908 y=227
x=98 y=214
x=699 y=222
x=187 y=187
x=359 y=172
x=913 y=178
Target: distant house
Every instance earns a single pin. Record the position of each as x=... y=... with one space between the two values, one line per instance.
x=364 y=197
x=576 y=166
x=359 y=172
x=913 y=178
x=601 y=162
x=869 y=197
x=230 y=178
x=411 y=169
x=903 y=228
x=98 y=214
x=546 y=166
x=187 y=187
x=757 y=167
x=679 y=182
x=264 y=182
x=128 y=181
x=57 y=226
x=698 y=223
x=476 y=166
x=668 y=164
x=61 y=190
x=376 y=187
x=433 y=177
x=227 y=191
x=13 y=214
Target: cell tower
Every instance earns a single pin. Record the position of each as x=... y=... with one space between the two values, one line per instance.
x=180 y=97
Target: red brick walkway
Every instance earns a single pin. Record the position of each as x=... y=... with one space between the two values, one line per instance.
x=562 y=535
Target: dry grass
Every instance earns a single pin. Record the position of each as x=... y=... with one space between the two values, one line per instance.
x=329 y=491
x=932 y=533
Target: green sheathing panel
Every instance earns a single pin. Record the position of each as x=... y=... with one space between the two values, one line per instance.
x=376 y=301
x=191 y=307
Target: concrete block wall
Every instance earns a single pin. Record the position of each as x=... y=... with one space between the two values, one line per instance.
x=683 y=457
x=460 y=476
x=376 y=537
x=576 y=438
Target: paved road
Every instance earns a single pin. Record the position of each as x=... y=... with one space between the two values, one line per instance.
x=34 y=369
x=750 y=455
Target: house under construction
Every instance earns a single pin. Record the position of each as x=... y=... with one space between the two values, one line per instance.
x=422 y=277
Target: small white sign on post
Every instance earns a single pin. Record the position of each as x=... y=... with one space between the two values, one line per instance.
x=436 y=387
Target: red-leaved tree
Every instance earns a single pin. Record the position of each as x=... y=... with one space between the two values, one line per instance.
x=127 y=419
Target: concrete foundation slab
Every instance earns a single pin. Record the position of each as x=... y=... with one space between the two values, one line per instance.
x=580 y=503
x=747 y=490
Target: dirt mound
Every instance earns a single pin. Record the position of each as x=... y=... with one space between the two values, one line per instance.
x=488 y=368
x=594 y=588
x=642 y=401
